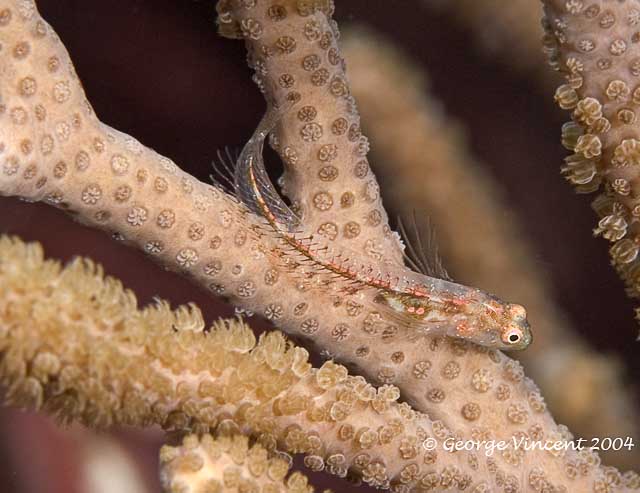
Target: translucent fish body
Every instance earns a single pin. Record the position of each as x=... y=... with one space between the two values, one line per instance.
x=421 y=303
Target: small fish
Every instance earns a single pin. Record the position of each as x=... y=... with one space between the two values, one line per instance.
x=418 y=301
x=465 y=313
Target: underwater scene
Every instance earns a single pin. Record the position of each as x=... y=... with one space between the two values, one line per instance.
x=319 y=245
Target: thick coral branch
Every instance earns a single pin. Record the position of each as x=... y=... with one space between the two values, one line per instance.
x=56 y=150
x=108 y=180
x=227 y=463
x=422 y=153
x=595 y=45
x=293 y=48
x=75 y=344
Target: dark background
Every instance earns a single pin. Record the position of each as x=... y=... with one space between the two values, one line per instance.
x=156 y=69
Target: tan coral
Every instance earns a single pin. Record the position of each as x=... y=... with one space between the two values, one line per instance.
x=327 y=174
x=75 y=344
x=109 y=180
x=420 y=151
x=594 y=45
x=137 y=185
x=228 y=463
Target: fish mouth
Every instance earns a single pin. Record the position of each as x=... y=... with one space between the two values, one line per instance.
x=528 y=338
x=528 y=334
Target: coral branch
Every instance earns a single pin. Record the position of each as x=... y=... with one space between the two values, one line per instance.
x=292 y=47
x=57 y=151
x=595 y=47
x=108 y=180
x=421 y=152
x=226 y=464
x=76 y=345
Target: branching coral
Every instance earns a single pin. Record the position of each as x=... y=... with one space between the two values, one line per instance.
x=293 y=48
x=56 y=150
x=228 y=464
x=421 y=152
x=75 y=344
x=594 y=44
x=108 y=180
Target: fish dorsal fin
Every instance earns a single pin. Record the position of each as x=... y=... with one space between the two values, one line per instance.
x=243 y=174
x=422 y=255
x=251 y=181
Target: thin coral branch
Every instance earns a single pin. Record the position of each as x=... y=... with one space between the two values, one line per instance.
x=229 y=464
x=421 y=152
x=595 y=47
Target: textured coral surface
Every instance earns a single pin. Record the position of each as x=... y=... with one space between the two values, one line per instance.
x=226 y=464
x=595 y=47
x=102 y=113
x=412 y=131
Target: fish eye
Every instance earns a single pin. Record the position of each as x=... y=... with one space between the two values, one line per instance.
x=513 y=336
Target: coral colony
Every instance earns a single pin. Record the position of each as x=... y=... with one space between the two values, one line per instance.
x=76 y=345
